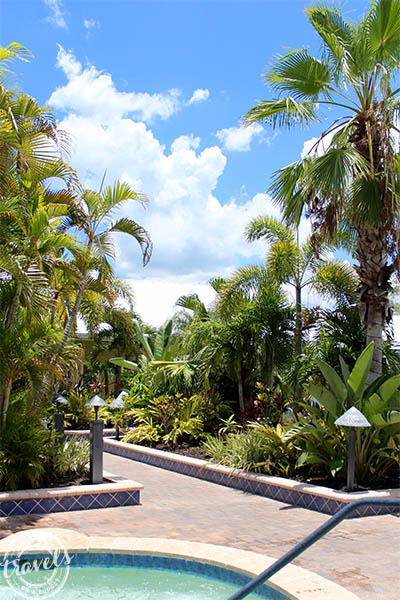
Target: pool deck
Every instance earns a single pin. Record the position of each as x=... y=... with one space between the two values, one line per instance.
x=362 y=554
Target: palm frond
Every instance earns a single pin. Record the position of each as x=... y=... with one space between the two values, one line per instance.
x=300 y=75
x=283 y=112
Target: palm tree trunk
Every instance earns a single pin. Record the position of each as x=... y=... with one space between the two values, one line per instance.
x=73 y=314
x=117 y=382
x=298 y=339
x=298 y=342
x=5 y=401
x=374 y=273
x=12 y=311
x=240 y=388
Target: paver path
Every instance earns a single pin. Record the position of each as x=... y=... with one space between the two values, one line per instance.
x=363 y=555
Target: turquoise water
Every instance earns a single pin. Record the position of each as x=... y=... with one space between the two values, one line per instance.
x=116 y=583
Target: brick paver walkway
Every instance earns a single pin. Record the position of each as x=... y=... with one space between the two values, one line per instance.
x=363 y=555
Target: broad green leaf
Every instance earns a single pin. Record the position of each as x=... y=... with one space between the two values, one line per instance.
x=122 y=362
x=345 y=369
x=335 y=466
x=337 y=386
x=391 y=418
x=389 y=387
x=309 y=459
x=324 y=397
x=373 y=405
x=359 y=374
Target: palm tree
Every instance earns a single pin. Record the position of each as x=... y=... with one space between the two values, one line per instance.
x=355 y=184
x=94 y=221
x=300 y=266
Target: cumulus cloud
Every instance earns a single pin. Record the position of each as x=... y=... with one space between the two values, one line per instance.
x=57 y=13
x=195 y=235
x=239 y=138
x=93 y=93
x=199 y=96
x=90 y=23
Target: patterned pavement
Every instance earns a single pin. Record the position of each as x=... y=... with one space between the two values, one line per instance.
x=363 y=555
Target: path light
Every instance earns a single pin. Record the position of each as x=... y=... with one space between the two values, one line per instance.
x=96 y=402
x=96 y=441
x=352 y=418
x=58 y=417
x=119 y=402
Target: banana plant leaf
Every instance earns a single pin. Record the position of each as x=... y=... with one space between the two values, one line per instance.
x=122 y=362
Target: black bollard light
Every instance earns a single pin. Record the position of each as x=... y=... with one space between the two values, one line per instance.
x=96 y=441
x=118 y=403
x=58 y=417
x=352 y=418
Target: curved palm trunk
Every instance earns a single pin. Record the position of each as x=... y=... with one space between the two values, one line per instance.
x=74 y=314
x=374 y=273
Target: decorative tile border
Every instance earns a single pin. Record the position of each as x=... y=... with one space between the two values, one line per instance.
x=304 y=495
x=119 y=492
x=292 y=582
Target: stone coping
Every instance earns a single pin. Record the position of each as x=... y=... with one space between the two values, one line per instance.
x=118 y=491
x=115 y=484
x=296 y=582
x=312 y=496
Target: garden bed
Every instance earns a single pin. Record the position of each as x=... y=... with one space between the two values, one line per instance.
x=295 y=493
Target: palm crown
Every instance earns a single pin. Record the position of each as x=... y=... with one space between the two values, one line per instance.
x=355 y=184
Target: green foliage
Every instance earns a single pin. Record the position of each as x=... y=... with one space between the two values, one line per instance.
x=22 y=445
x=66 y=460
x=324 y=445
x=260 y=448
x=78 y=415
x=170 y=420
x=31 y=456
x=229 y=425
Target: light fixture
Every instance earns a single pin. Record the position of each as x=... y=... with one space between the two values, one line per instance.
x=96 y=402
x=352 y=418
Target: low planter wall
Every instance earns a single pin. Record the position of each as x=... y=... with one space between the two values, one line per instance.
x=320 y=499
x=118 y=492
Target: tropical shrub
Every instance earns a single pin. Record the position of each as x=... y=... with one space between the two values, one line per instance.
x=66 y=459
x=325 y=446
x=169 y=420
x=21 y=452
x=32 y=456
x=260 y=448
x=77 y=414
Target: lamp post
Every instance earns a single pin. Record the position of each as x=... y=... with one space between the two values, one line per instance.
x=58 y=417
x=352 y=418
x=118 y=403
x=96 y=441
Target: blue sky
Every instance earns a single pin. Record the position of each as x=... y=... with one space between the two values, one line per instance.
x=154 y=93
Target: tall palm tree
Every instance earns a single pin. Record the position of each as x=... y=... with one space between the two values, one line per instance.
x=356 y=183
x=93 y=221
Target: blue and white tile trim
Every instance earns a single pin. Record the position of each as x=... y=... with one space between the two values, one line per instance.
x=122 y=492
x=291 y=492
x=164 y=563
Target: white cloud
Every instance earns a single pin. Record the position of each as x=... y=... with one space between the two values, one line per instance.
x=239 y=138
x=156 y=298
x=92 y=93
x=90 y=23
x=57 y=16
x=199 y=96
x=317 y=146
x=195 y=236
